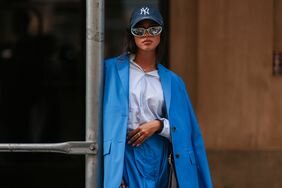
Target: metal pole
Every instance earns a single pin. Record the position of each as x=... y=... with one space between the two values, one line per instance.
x=94 y=89
x=75 y=148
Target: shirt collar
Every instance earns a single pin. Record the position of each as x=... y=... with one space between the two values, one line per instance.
x=138 y=67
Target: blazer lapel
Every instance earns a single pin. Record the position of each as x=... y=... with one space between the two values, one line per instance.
x=166 y=85
x=123 y=72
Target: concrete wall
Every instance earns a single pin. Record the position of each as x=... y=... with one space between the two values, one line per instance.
x=183 y=42
x=246 y=169
x=223 y=50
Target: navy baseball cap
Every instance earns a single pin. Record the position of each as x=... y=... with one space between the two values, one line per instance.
x=146 y=12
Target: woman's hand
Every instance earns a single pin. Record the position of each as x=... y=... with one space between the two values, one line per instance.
x=143 y=132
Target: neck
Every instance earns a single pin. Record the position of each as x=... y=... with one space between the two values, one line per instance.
x=147 y=60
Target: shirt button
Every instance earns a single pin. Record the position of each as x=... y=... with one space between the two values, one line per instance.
x=173 y=128
x=177 y=155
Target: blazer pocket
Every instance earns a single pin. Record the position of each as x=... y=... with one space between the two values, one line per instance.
x=107 y=147
x=192 y=158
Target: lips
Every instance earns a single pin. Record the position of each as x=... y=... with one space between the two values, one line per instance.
x=147 y=41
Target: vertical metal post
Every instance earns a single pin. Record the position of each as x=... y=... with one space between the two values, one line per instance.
x=94 y=89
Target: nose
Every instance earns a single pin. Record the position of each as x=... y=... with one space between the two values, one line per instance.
x=147 y=34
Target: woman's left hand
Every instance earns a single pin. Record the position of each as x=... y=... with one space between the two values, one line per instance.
x=143 y=132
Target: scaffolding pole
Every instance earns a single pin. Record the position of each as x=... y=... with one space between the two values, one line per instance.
x=94 y=89
x=71 y=148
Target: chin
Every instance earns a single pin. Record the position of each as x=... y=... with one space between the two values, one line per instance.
x=148 y=48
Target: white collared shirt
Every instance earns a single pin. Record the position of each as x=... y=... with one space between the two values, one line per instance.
x=146 y=99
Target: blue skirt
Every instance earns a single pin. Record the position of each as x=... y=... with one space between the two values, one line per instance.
x=146 y=166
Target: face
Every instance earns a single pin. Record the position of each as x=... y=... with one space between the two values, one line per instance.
x=147 y=42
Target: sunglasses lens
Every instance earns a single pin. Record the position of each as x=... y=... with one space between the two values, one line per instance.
x=139 y=32
x=154 y=31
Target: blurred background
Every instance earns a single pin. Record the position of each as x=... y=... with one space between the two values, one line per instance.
x=229 y=53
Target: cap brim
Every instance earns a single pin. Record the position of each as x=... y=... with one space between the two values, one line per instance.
x=146 y=18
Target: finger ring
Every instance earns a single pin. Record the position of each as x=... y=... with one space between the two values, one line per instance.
x=138 y=134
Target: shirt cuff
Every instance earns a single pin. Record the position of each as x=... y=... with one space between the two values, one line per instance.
x=165 y=132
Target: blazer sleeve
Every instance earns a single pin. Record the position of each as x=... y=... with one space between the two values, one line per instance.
x=204 y=176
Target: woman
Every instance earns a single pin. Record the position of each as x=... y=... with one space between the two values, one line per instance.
x=147 y=114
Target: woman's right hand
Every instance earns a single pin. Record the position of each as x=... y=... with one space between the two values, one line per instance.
x=143 y=132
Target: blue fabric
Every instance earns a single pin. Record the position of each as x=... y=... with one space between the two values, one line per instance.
x=146 y=166
x=190 y=159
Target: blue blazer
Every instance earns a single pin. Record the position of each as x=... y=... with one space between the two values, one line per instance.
x=190 y=159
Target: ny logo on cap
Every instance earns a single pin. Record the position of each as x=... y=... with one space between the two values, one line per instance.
x=145 y=11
